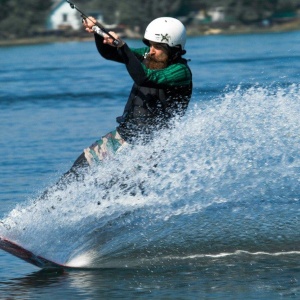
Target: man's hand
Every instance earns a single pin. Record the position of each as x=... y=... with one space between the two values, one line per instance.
x=108 y=40
x=88 y=24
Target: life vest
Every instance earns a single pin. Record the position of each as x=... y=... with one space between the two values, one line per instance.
x=149 y=109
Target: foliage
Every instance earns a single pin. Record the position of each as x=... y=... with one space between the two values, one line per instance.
x=23 y=18
x=248 y=11
x=135 y=12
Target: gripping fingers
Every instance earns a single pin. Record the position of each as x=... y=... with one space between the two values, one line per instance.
x=97 y=30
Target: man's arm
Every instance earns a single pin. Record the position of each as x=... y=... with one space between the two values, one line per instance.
x=103 y=42
x=107 y=51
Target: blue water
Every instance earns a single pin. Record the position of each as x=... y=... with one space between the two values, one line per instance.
x=220 y=215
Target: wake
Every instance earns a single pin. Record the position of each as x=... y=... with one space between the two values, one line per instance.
x=226 y=178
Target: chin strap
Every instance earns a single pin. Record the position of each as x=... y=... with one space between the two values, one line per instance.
x=175 y=53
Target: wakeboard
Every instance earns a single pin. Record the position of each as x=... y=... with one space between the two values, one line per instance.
x=28 y=256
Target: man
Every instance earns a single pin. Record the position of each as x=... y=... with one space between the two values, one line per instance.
x=161 y=90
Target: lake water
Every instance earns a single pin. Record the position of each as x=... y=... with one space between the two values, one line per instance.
x=220 y=215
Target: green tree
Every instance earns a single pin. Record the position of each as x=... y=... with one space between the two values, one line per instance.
x=249 y=11
x=22 y=18
x=136 y=12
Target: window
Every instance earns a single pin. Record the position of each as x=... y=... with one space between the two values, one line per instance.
x=65 y=17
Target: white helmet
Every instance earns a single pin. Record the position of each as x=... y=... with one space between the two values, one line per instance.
x=166 y=30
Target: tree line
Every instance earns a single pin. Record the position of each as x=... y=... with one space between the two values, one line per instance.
x=23 y=18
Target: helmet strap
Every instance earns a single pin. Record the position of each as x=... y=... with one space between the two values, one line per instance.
x=175 y=53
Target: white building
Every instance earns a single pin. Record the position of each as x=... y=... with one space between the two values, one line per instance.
x=63 y=16
x=217 y=14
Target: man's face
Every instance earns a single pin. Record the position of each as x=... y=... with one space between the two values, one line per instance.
x=157 y=58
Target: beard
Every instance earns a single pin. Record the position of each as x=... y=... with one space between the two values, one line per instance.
x=154 y=64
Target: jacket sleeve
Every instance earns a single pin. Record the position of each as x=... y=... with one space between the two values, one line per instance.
x=107 y=51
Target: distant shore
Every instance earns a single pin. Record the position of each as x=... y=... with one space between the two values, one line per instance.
x=191 y=31
x=40 y=40
x=243 y=29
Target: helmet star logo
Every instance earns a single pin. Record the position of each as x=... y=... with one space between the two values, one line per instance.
x=165 y=37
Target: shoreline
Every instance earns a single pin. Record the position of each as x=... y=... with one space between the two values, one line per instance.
x=192 y=31
x=42 y=40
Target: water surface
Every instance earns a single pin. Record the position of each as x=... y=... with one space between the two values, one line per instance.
x=220 y=215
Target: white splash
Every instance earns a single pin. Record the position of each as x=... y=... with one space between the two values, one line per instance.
x=226 y=178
